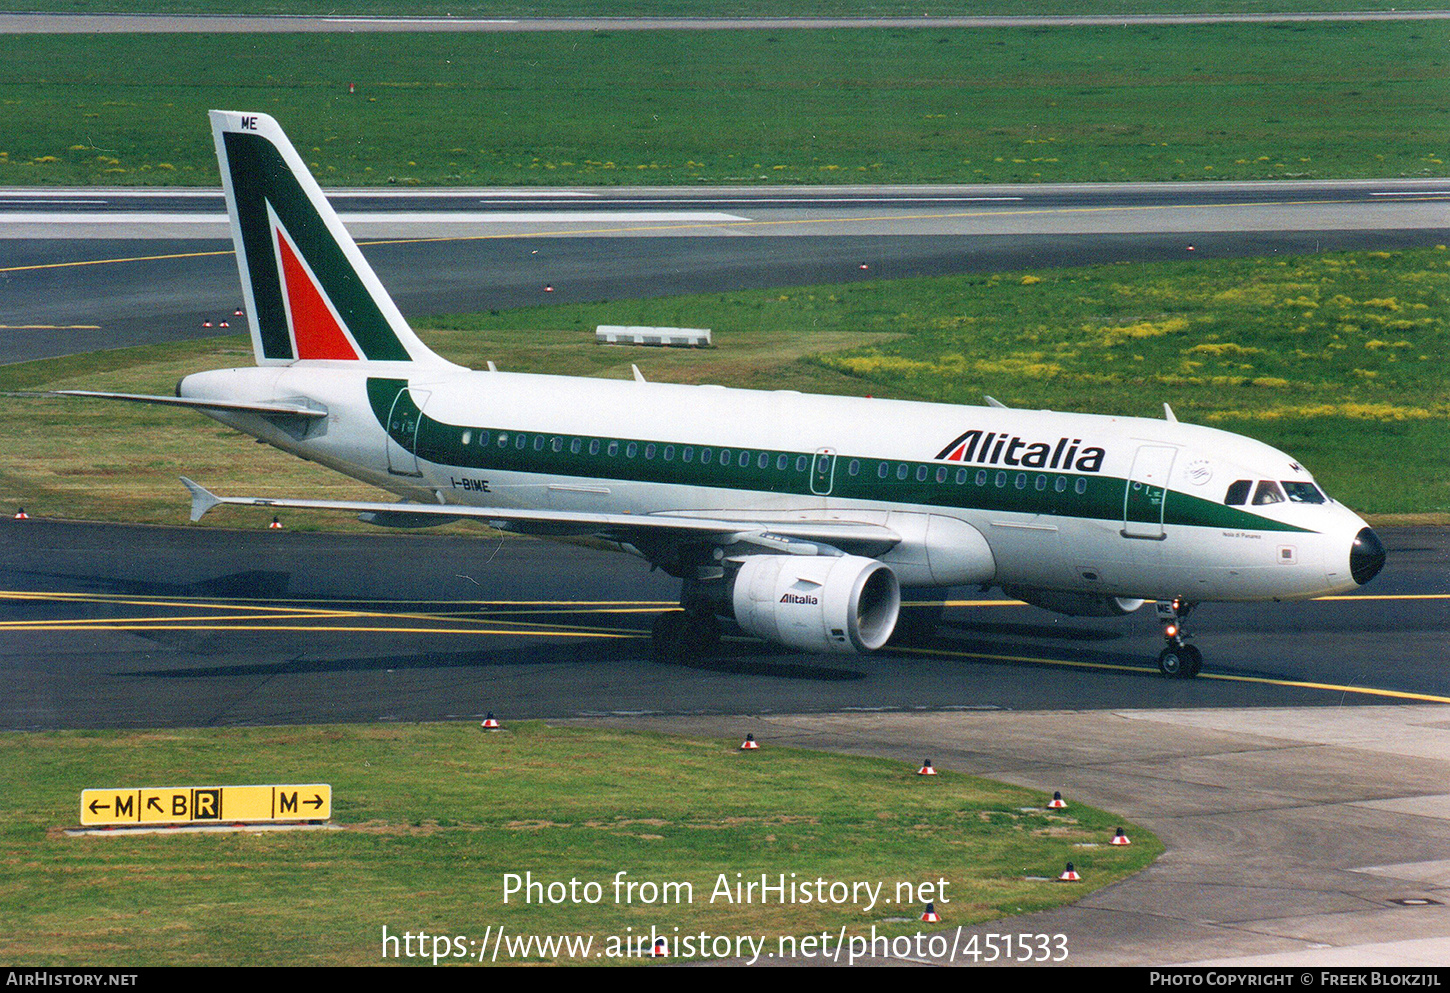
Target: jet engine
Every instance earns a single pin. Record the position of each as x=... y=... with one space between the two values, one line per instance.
x=817 y=603
x=1075 y=604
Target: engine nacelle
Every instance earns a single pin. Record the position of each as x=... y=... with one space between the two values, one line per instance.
x=817 y=603
x=1075 y=604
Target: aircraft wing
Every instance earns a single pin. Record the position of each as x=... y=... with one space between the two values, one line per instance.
x=856 y=537
x=276 y=408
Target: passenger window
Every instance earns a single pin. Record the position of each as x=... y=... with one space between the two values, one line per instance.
x=1238 y=493
x=1267 y=493
x=669 y=453
x=782 y=463
x=921 y=472
x=574 y=446
x=1080 y=486
x=613 y=449
x=630 y=449
x=883 y=470
x=941 y=474
x=594 y=446
x=649 y=451
x=902 y=470
x=854 y=467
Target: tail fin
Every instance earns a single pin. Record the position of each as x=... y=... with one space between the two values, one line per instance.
x=309 y=292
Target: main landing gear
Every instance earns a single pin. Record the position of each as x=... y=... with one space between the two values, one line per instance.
x=1179 y=660
x=685 y=634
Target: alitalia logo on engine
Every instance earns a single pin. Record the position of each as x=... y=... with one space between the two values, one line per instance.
x=798 y=598
x=1000 y=448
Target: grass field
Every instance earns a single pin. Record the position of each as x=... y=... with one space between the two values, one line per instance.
x=629 y=108
x=1338 y=359
x=697 y=8
x=437 y=814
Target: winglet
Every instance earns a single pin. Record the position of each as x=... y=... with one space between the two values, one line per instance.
x=994 y=402
x=202 y=499
x=1168 y=414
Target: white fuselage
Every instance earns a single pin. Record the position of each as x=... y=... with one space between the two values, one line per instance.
x=1081 y=503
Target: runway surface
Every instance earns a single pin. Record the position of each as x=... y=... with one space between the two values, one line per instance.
x=85 y=269
x=125 y=626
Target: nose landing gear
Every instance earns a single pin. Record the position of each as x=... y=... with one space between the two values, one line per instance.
x=1179 y=660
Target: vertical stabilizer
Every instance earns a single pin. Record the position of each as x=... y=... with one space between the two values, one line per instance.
x=310 y=294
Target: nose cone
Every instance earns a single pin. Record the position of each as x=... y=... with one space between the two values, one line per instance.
x=1366 y=556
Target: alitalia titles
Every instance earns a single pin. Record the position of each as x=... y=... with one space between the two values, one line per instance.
x=1001 y=448
x=799 y=598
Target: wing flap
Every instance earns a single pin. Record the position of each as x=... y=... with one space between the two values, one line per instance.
x=563 y=522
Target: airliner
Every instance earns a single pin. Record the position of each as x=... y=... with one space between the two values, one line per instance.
x=798 y=517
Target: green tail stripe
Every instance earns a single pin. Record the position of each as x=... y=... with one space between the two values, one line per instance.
x=260 y=176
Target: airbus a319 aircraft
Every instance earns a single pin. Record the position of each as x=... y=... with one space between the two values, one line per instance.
x=798 y=517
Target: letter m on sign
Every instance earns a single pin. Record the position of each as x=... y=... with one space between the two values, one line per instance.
x=287 y=802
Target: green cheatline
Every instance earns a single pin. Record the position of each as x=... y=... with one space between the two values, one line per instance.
x=631 y=108
x=438 y=815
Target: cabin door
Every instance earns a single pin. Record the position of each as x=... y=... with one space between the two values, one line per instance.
x=1146 y=496
x=402 y=441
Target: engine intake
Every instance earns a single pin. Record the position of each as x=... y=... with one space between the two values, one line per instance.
x=843 y=603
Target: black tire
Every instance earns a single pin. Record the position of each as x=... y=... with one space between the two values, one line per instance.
x=1174 y=662
x=1194 y=659
x=678 y=635
x=917 y=624
x=668 y=635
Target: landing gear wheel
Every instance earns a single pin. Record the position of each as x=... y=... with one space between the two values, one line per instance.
x=678 y=634
x=1180 y=661
x=668 y=635
x=917 y=623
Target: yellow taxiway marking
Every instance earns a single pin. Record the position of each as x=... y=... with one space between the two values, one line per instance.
x=522 y=631
x=50 y=327
x=134 y=258
x=1221 y=677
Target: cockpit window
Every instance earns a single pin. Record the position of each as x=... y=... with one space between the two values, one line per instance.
x=1238 y=493
x=1268 y=492
x=1303 y=492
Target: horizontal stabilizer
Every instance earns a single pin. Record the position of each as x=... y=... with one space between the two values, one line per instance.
x=278 y=408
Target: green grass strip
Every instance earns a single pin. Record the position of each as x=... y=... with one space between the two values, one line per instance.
x=437 y=814
x=1320 y=100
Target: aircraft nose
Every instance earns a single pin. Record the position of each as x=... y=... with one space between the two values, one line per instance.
x=1366 y=556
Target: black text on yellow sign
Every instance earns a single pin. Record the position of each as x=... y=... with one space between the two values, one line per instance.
x=207 y=804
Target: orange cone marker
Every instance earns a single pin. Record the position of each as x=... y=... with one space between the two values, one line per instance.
x=1121 y=838
x=926 y=769
x=749 y=744
x=276 y=525
x=490 y=723
x=21 y=515
x=930 y=915
x=1069 y=875
x=1058 y=803
x=659 y=949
